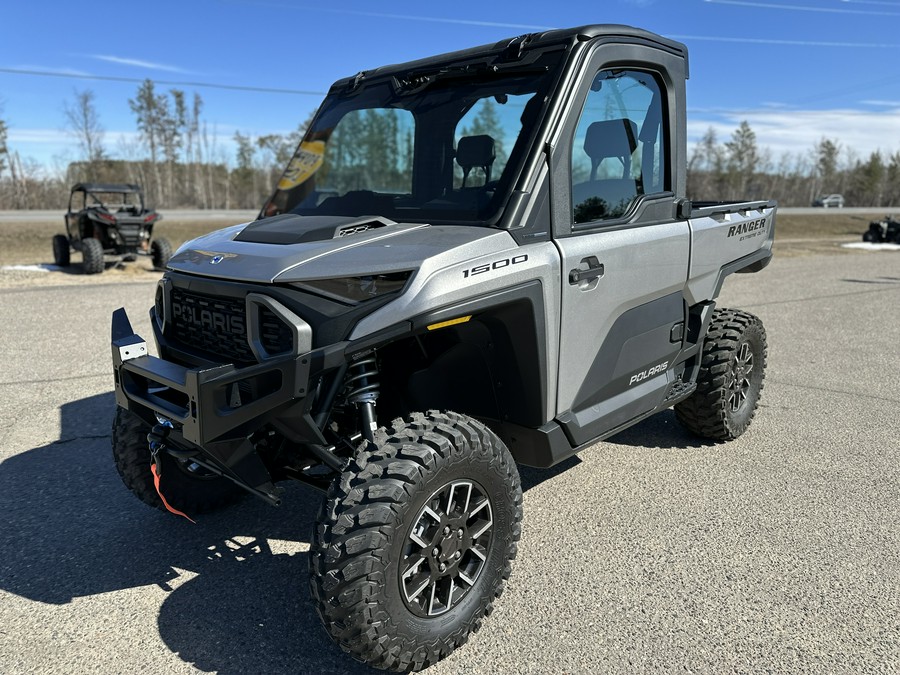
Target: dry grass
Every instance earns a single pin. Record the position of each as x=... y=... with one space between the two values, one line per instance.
x=820 y=226
x=29 y=242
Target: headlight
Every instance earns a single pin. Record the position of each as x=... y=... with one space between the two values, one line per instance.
x=354 y=290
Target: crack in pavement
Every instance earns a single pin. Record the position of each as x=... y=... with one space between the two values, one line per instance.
x=827 y=296
x=834 y=391
x=54 y=379
x=81 y=438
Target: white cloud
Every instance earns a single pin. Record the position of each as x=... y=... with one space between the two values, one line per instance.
x=59 y=138
x=797 y=131
x=149 y=65
x=406 y=17
x=49 y=147
x=788 y=43
x=55 y=71
x=800 y=8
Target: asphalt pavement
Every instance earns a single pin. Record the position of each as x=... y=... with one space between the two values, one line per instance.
x=652 y=552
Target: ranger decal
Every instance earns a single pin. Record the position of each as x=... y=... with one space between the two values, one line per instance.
x=752 y=228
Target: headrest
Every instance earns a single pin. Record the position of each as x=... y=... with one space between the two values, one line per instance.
x=475 y=151
x=611 y=138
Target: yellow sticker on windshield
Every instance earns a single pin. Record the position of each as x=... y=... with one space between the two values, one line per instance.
x=305 y=162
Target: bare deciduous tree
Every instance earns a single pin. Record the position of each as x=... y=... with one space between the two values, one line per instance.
x=83 y=123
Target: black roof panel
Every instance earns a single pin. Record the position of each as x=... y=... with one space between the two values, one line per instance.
x=106 y=187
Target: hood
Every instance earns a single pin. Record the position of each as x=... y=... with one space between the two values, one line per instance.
x=296 y=248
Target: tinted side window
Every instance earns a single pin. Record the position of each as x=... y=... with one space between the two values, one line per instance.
x=619 y=147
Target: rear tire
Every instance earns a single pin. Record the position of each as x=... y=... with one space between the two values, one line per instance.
x=61 y=250
x=732 y=369
x=92 y=254
x=183 y=491
x=160 y=252
x=415 y=540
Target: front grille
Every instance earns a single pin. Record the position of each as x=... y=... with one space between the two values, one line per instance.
x=274 y=334
x=213 y=325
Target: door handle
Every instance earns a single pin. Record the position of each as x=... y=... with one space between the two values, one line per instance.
x=595 y=270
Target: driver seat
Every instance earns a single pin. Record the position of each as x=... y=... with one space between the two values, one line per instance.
x=472 y=151
x=609 y=139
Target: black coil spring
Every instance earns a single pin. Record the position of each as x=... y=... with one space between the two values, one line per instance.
x=363 y=380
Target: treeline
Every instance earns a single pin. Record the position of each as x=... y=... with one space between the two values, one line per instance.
x=739 y=169
x=177 y=160
x=176 y=157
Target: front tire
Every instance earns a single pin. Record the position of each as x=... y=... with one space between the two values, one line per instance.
x=61 y=250
x=92 y=253
x=415 y=540
x=160 y=252
x=730 y=382
x=185 y=487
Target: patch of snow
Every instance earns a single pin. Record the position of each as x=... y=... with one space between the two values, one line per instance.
x=31 y=268
x=870 y=246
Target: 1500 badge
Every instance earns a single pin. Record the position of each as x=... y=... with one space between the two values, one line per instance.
x=496 y=265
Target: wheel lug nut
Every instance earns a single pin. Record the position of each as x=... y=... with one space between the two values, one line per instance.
x=443 y=567
x=435 y=553
x=447 y=531
x=459 y=533
x=457 y=555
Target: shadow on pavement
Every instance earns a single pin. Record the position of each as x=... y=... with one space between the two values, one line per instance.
x=659 y=431
x=237 y=581
x=73 y=530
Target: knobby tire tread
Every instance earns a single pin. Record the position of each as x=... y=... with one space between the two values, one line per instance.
x=160 y=252
x=92 y=256
x=132 y=458
x=706 y=412
x=360 y=515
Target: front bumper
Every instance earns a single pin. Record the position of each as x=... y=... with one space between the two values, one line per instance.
x=209 y=405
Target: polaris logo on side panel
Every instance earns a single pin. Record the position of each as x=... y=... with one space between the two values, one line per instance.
x=650 y=372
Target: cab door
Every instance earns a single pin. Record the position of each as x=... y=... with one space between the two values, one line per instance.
x=624 y=252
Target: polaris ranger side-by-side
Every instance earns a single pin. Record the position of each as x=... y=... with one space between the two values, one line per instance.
x=474 y=260
x=109 y=219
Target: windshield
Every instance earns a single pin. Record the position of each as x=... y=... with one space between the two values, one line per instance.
x=439 y=146
x=114 y=200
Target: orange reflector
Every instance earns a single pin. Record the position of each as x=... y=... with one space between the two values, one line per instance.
x=451 y=322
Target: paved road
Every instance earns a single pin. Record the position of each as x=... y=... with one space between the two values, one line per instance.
x=778 y=552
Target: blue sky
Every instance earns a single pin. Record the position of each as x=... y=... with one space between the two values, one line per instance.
x=796 y=70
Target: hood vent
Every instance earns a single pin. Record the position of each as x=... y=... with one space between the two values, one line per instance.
x=294 y=229
x=350 y=230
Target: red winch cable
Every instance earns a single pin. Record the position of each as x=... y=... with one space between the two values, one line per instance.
x=169 y=508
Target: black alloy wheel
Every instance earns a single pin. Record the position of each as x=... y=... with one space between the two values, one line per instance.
x=446 y=548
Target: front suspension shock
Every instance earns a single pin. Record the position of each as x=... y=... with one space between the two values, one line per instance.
x=364 y=390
